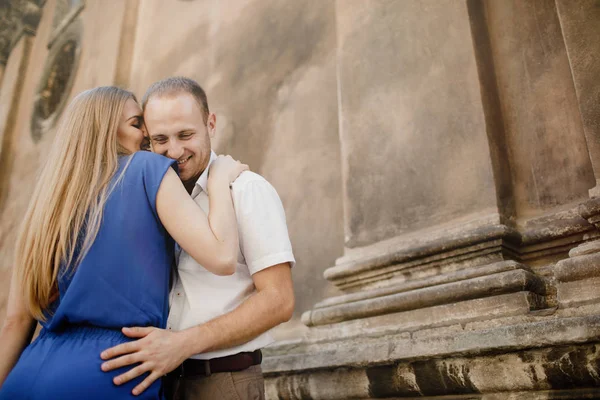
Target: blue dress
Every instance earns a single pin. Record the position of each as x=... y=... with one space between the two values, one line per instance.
x=122 y=281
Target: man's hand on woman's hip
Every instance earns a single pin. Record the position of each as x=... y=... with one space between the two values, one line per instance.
x=157 y=351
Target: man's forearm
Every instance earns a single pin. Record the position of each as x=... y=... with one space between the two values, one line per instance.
x=259 y=313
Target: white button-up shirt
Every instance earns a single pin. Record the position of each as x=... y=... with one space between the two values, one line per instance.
x=198 y=295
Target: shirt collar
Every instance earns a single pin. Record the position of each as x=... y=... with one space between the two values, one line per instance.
x=202 y=182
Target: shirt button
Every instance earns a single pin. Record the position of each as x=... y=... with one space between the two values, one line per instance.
x=178 y=294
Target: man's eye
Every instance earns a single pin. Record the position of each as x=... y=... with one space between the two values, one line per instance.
x=159 y=141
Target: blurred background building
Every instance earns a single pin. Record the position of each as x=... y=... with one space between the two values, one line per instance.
x=438 y=161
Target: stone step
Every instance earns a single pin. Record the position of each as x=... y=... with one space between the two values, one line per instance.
x=439 y=279
x=305 y=355
x=479 y=287
x=464 y=312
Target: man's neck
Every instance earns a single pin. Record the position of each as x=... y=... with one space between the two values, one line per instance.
x=189 y=186
x=191 y=183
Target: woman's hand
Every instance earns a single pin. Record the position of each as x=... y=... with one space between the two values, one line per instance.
x=225 y=169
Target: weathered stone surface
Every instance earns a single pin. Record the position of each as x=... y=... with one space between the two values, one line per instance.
x=581 y=32
x=571 y=294
x=65 y=11
x=446 y=248
x=9 y=99
x=585 y=249
x=538 y=105
x=573 y=394
x=532 y=370
x=302 y=356
x=57 y=80
x=424 y=282
x=410 y=115
x=402 y=260
x=17 y=17
x=499 y=283
x=590 y=210
x=463 y=312
x=577 y=268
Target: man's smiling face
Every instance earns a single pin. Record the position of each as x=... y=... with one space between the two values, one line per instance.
x=177 y=129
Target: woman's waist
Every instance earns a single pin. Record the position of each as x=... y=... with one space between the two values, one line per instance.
x=83 y=331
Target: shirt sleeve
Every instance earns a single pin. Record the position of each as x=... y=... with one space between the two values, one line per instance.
x=154 y=169
x=263 y=234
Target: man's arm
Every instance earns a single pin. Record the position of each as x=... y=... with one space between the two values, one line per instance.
x=160 y=351
x=271 y=305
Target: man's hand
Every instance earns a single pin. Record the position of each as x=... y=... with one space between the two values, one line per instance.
x=157 y=351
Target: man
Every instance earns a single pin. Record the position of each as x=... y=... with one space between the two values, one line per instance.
x=217 y=324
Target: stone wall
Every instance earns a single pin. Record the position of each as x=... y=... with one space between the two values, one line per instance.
x=469 y=156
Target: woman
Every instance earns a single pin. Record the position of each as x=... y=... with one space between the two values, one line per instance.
x=96 y=247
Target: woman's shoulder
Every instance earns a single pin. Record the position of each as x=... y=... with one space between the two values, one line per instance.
x=148 y=156
x=147 y=166
x=147 y=160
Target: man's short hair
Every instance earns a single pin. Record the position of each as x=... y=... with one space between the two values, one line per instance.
x=175 y=85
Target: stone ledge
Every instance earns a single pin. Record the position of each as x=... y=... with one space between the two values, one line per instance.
x=465 y=312
x=578 y=293
x=590 y=210
x=483 y=270
x=304 y=355
x=578 y=268
x=444 y=247
x=484 y=286
x=532 y=370
x=451 y=247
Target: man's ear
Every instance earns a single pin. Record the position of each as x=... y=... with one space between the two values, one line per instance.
x=211 y=125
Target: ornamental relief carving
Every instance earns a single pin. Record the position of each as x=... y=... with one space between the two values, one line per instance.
x=65 y=12
x=17 y=17
x=57 y=79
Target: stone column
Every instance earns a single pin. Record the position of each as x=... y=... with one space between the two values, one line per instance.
x=580 y=24
x=579 y=275
x=442 y=282
x=412 y=128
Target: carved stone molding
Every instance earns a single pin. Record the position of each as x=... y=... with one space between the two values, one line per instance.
x=65 y=13
x=57 y=80
x=17 y=17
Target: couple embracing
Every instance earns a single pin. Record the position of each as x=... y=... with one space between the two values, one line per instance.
x=153 y=274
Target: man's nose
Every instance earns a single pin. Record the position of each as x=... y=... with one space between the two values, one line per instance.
x=175 y=150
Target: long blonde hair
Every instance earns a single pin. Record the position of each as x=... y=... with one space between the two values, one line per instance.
x=66 y=208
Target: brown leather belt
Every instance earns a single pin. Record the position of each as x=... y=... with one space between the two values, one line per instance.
x=235 y=362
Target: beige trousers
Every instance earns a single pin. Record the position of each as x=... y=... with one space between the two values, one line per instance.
x=242 y=385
